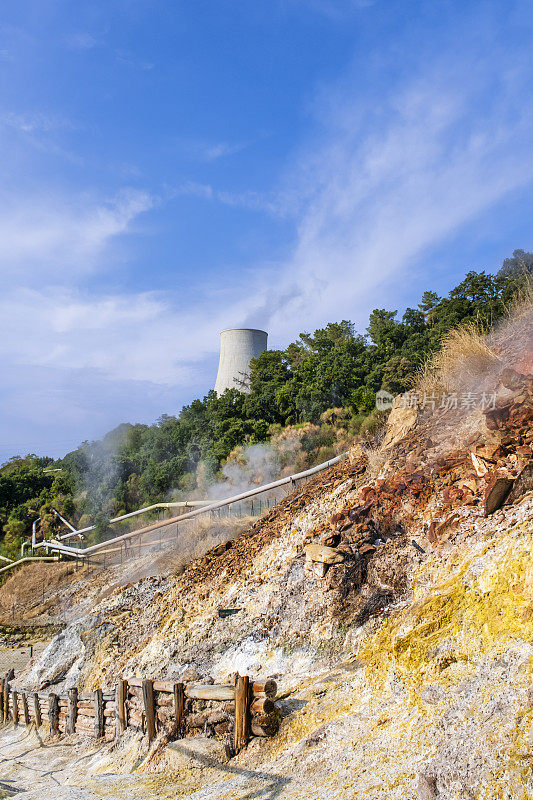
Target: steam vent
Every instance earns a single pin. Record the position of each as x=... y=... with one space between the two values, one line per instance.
x=237 y=347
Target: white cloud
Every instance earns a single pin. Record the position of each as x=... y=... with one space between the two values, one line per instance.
x=208 y=150
x=371 y=200
x=383 y=186
x=118 y=336
x=220 y=149
x=51 y=235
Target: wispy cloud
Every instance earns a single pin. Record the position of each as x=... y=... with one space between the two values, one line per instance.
x=220 y=150
x=82 y=40
x=120 y=337
x=130 y=60
x=49 y=235
x=271 y=202
x=207 y=151
x=382 y=187
x=34 y=122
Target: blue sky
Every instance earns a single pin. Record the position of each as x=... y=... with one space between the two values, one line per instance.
x=172 y=168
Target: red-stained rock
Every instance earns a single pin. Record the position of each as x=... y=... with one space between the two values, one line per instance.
x=497 y=417
x=522 y=484
x=496 y=493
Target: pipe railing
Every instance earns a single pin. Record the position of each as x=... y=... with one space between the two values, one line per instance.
x=85 y=552
x=181 y=504
x=26 y=560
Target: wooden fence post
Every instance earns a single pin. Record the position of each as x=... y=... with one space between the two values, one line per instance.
x=149 y=708
x=242 y=713
x=5 y=693
x=99 y=720
x=25 y=709
x=15 y=707
x=178 y=691
x=37 y=710
x=121 y=693
x=72 y=710
x=53 y=713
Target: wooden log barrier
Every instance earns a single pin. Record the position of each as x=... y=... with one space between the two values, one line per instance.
x=9 y=677
x=99 y=723
x=53 y=713
x=207 y=691
x=263 y=705
x=121 y=693
x=242 y=713
x=163 y=686
x=178 y=693
x=5 y=693
x=247 y=709
x=25 y=710
x=149 y=708
x=37 y=710
x=15 y=699
x=269 y=688
x=72 y=710
x=265 y=725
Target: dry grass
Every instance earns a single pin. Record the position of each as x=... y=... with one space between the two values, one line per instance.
x=196 y=537
x=512 y=340
x=377 y=459
x=464 y=360
x=200 y=535
x=33 y=589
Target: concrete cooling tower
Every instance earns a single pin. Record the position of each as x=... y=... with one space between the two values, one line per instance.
x=237 y=347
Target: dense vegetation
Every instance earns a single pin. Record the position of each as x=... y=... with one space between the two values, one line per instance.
x=323 y=385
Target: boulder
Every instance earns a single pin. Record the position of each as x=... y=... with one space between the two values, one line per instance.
x=496 y=493
x=399 y=422
x=323 y=555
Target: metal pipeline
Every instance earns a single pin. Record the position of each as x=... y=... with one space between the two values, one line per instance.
x=180 y=504
x=34 y=532
x=64 y=521
x=205 y=509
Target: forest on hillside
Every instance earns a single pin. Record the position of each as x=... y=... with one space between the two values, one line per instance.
x=319 y=392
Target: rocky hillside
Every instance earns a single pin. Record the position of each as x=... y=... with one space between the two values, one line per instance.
x=391 y=597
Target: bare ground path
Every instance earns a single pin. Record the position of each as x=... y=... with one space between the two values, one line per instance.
x=32 y=768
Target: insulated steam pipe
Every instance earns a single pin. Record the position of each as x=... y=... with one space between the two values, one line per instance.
x=180 y=504
x=34 y=532
x=64 y=521
x=228 y=501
